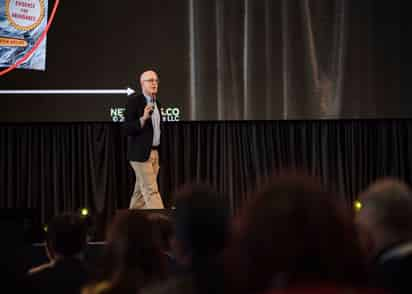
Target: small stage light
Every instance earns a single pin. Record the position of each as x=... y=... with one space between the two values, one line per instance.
x=357 y=205
x=84 y=212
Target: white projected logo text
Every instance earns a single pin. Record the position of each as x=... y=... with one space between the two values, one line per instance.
x=117 y=114
x=168 y=114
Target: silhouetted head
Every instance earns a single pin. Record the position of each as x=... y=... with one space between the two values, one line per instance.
x=132 y=247
x=66 y=235
x=294 y=231
x=164 y=226
x=386 y=213
x=202 y=219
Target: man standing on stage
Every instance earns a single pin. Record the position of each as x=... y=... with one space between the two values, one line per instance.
x=143 y=126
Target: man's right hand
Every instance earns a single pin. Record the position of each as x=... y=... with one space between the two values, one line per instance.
x=147 y=111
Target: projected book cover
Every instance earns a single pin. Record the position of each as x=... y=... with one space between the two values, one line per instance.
x=21 y=24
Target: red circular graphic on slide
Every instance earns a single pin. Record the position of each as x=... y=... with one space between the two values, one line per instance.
x=36 y=45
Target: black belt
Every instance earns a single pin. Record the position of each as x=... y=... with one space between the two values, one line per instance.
x=155 y=147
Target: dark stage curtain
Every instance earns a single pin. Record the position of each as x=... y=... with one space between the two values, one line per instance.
x=63 y=167
x=294 y=59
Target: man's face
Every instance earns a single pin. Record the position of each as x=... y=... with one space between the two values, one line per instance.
x=150 y=83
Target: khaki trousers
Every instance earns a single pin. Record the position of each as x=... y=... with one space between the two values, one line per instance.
x=146 y=192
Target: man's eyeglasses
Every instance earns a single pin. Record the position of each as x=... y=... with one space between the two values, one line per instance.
x=152 y=81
